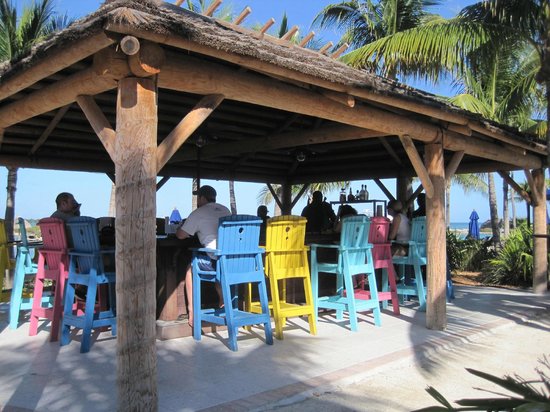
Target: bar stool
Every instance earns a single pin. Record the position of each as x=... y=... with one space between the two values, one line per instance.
x=52 y=265
x=86 y=268
x=25 y=269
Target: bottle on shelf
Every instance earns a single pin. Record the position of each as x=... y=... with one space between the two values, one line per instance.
x=351 y=198
x=357 y=195
x=361 y=195
x=343 y=195
x=366 y=193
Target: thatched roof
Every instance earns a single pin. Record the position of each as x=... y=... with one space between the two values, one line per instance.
x=186 y=36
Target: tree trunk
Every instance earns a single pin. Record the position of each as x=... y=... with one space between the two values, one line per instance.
x=513 y=207
x=540 y=246
x=505 y=217
x=232 y=200
x=136 y=175
x=10 y=202
x=493 y=209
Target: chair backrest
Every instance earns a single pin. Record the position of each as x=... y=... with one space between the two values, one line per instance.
x=85 y=237
x=54 y=240
x=23 y=233
x=418 y=234
x=238 y=242
x=379 y=230
x=285 y=242
x=355 y=234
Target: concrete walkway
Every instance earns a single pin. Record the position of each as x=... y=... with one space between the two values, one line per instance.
x=42 y=376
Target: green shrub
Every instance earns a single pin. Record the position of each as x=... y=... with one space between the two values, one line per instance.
x=468 y=254
x=514 y=263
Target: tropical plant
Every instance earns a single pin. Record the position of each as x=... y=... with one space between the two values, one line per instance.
x=513 y=264
x=468 y=254
x=530 y=398
x=17 y=35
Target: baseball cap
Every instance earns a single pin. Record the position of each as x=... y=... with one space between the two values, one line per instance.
x=206 y=191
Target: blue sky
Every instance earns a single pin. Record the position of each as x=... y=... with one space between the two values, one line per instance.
x=37 y=189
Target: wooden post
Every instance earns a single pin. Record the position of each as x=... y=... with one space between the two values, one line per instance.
x=135 y=168
x=436 y=269
x=540 y=263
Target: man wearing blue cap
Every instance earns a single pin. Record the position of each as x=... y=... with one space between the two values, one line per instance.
x=203 y=222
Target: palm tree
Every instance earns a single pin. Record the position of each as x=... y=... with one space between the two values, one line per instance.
x=17 y=35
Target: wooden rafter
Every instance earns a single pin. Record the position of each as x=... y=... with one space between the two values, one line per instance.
x=162 y=181
x=417 y=163
x=452 y=167
x=535 y=197
x=390 y=150
x=186 y=127
x=384 y=189
x=508 y=179
x=99 y=123
x=49 y=129
x=300 y=194
x=275 y=197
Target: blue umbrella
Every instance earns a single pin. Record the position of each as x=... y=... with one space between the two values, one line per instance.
x=175 y=216
x=473 y=227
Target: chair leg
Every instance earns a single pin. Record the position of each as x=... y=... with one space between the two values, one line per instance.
x=350 y=298
x=197 y=318
x=390 y=273
x=228 y=307
x=374 y=296
x=17 y=292
x=262 y=292
x=89 y=315
x=315 y=286
x=309 y=302
x=37 y=296
x=57 y=310
x=276 y=303
x=420 y=289
x=67 y=311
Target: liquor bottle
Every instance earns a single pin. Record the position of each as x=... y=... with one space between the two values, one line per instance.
x=366 y=193
x=343 y=195
x=351 y=198
x=357 y=195
x=362 y=193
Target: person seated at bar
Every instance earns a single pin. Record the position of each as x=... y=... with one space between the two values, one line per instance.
x=261 y=212
x=319 y=214
x=421 y=211
x=343 y=211
x=203 y=222
x=400 y=229
x=67 y=207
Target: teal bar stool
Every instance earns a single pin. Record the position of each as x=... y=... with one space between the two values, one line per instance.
x=354 y=258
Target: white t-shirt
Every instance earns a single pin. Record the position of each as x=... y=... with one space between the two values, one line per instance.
x=404 y=229
x=204 y=222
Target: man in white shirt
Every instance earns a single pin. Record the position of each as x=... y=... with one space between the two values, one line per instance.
x=204 y=223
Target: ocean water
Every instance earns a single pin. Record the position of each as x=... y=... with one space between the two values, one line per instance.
x=459 y=225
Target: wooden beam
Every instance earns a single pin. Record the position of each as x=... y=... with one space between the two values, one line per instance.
x=390 y=150
x=283 y=140
x=212 y=8
x=246 y=11
x=99 y=123
x=267 y=25
x=324 y=49
x=300 y=194
x=135 y=164
x=540 y=244
x=288 y=35
x=384 y=189
x=491 y=132
x=436 y=268
x=111 y=176
x=534 y=195
x=275 y=197
x=162 y=181
x=186 y=127
x=54 y=61
x=63 y=92
x=148 y=61
x=345 y=99
x=1 y=136
x=339 y=51
x=195 y=76
x=49 y=129
x=307 y=38
x=129 y=45
x=525 y=195
x=417 y=164
x=451 y=168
